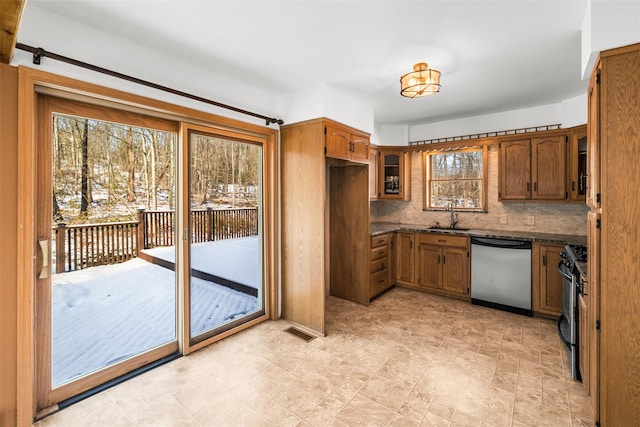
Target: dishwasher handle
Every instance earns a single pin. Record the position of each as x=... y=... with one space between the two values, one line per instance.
x=501 y=243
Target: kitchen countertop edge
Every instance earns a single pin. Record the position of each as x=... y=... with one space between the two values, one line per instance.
x=378 y=228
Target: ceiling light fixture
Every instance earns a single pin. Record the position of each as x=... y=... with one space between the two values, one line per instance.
x=422 y=81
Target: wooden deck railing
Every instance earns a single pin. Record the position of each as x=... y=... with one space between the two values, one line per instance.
x=82 y=246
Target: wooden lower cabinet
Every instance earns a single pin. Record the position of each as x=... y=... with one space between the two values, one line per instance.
x=443 y=264
x=405 y=258
x=546 y=281
x=380 y=279
x=455 y=270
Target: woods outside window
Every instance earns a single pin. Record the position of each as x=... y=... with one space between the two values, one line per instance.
x=457 y=177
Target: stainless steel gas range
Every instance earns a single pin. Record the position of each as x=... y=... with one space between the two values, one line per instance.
x=571 y=288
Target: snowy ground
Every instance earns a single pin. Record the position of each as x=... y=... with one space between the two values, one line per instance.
x=106 y=314
x=220 y=258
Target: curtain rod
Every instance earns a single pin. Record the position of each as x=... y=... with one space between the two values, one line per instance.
x=39 y=53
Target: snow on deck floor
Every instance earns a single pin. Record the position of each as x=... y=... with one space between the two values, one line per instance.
x=220 y=258
x=105 y=314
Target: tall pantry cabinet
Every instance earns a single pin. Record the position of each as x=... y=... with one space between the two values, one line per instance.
x=614 y=237
x=325 y=240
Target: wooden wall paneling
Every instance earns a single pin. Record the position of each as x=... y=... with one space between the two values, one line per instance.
x=26 y=247
x=8 y=243
x=303 y=203
x=349 y=233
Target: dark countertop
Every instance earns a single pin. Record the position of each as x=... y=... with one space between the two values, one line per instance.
x=388 y=227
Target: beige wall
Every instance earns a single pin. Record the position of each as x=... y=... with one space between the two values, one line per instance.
x=563 y=218
x=8 y=242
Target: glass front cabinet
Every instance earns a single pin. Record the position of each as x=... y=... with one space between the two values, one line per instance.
x=395 y=175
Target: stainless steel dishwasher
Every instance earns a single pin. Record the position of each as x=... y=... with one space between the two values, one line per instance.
x=501 y=274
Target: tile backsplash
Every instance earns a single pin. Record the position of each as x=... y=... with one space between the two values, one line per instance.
x=562 y=218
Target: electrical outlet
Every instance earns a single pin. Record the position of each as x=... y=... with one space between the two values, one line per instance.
x=530 y=220
x=503 y=219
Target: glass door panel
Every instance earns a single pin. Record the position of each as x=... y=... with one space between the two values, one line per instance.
x=109 y=306
x=225 y=222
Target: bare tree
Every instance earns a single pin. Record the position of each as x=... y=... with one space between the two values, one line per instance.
x=131 y=165
x=84 y=180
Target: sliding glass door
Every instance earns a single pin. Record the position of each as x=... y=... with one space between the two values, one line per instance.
x=225 y=257
x=106 y=192
x=151 y=239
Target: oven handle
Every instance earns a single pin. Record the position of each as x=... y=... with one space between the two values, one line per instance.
x=564 y=340
x=561 y=269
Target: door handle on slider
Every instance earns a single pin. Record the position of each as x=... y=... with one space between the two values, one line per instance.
x=44 y=248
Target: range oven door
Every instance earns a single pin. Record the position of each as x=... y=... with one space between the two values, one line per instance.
x=567 y=323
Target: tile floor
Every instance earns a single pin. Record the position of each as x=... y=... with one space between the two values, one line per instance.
x=408 y=359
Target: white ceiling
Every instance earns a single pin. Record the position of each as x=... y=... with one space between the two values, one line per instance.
x=494 y=55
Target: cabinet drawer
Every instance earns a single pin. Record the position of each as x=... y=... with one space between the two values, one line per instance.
x=444 y=239
x=379 y=265
x=381 y=252
x=379 y=282
x=380 y=240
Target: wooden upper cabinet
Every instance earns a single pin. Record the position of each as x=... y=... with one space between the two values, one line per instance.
x=548 y=166
x=373 y=172
x=341 y=143
x=593 y=139
x=577 y=164
x=533 y=169
x=514 y=168
x=394 y=173
x=337 y=142
x=359 y=148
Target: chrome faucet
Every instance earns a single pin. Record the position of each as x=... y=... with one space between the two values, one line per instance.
x=454 y=216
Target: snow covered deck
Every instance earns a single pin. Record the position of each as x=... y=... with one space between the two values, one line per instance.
x=106 y=314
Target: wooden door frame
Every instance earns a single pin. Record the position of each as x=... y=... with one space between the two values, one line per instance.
x=30 y=82
x=184 y=205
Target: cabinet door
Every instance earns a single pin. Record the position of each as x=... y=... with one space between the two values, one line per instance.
x=593 y=140
x=337 y=143
x=373 y=173
x=583 y=341
x=577 y=164
x=359 y=149
x=390 y=175
x=593 y=308
x=455 y=270
x=394 y=175
x=392 y=259
x=514 y=170
x=548 y=162
x=550 y=281
x=406 y=261
x=430 y=266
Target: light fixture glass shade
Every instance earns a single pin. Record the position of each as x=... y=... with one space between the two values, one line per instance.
x=422 y=81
